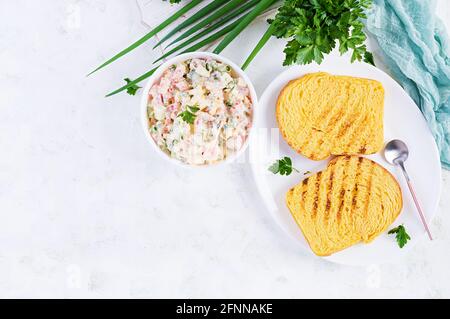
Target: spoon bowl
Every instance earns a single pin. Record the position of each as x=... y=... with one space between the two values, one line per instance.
x=396 y=152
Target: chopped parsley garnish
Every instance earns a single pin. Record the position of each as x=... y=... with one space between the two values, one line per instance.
x=189 y=115
x=282 y=166
x=193 y=109
x=401 y=236
x=132 y=89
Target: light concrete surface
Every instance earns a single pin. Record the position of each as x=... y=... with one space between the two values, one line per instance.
x=88 y=210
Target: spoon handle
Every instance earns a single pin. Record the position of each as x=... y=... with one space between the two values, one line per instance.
x=416 y=201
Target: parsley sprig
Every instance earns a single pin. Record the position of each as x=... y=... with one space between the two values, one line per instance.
x=314 y=27
x=189 y=115
x=401 y=236
x=132 y=90
x=283 y=166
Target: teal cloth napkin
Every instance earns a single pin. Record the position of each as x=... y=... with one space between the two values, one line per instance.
x=416 y=50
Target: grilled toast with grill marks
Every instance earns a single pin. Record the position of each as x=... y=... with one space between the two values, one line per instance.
x=321 y=114
x=354 y=199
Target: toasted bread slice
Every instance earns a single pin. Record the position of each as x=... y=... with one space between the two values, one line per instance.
x=321 y=115
x=354 y=199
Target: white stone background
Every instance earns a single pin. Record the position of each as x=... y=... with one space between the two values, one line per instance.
x=88 y=210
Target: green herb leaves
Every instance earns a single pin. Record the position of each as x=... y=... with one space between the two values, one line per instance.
x=312 y=28
x=315 y=26
x=132 y=90
x=189 y=115
x=194 y=109
x=282 y=166
x=401 y=236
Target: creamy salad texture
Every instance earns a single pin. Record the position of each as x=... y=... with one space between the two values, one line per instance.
x=200 y=111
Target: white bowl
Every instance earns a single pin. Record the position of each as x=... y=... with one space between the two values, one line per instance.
x=157 y=75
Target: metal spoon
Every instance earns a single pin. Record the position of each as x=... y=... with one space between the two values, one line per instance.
x=396 y=153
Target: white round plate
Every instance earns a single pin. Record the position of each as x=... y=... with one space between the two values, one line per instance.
x=402 y=120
